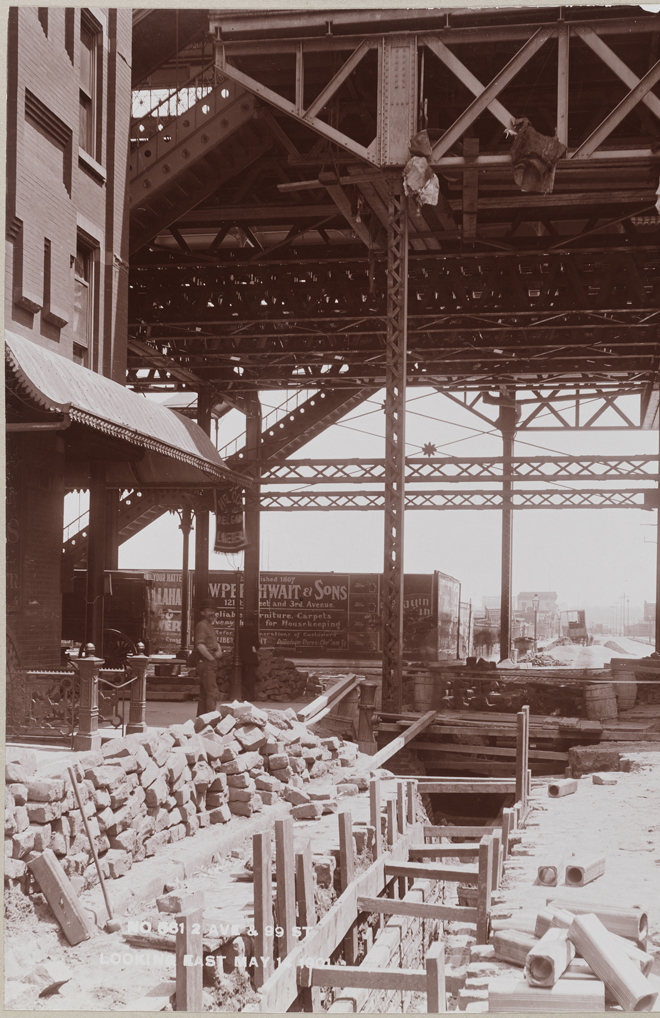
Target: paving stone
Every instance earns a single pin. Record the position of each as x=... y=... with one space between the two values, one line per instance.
x=295 y=796
x=187 y=811
x=156 y=842
x=195 y=750
x=297 y=765
x=127 y=840
x=105 y=777
x=162 y=750
x=106 y=819
x=204 y=818
x=215 y=799
x=202 y=773
x=211 y=718
x=248 y=714
x=319 y=770
x=150 y=774
x=332 y=743
x=268 y=783
x=347 y=788
x=128 y=764
x=586 y=759
x=19 y=793
x=118 y=862
x=176 y=761
x=242 y=780
x=232 y=750
x=156 y=793
x=269 y=798
x=240 y=808
x=101 y=797
x=307 y=811
x=115 y=748
x=271 y=746
x=225 y=725
x=26 y=758
x=45 y=790
x=250 y=736
x=294 y=750
x=222 y=814
x=240 y=794
x=283 y=774
x=219 y=784
x=142 y=759
x=21 y=819
x=43 y=812
x=180 y=901
x=278 y=760
x=23 y=843
x=603 y=779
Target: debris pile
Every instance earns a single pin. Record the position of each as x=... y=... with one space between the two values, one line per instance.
x=277 y=679
x=144 y=791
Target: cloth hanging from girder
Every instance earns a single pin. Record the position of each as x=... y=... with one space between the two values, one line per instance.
x=229 y=520
x=419 y=180
x=534 y=157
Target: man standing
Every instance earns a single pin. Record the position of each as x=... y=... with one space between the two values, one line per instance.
x=208 y=652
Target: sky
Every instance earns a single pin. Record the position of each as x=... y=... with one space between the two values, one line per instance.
x=589 y=556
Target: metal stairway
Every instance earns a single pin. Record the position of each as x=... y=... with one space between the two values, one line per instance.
x=136 y=511
x=178 y=161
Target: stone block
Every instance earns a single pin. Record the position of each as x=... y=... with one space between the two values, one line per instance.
x=211 y=718
x=204 y=818
x=319 y=770
x=586 y=759
x=242 y=780
x=23 y=843
x=219 y=783
x=57 y=844
x=150 y=774
x=248 y=714
x=142 y=759
x=269 y=798
x=295 y=796
x=101 y=797
x=156 y=842
x=232 y=750
x=250 y=737
x=126 y=840
x=225 y=725
x=128 y=764
x=202 y=773
x=15 y=869
x=237 y=766
x=106 y=777
x=324 y=870
x=257 y=802
x=309 y=739
x=194 y=750
x=277 y=760
x=26 y=758
x=119 y=797
x=93 y=759
x=43 y=812
x=182 y=795
x=271 y=747
x=240 y=808
x=106 y=819
x=267 y=783
x=240 y=794
x=19 y=793
x=297 y=764
x=307 y=811
x=603 y=779
x=15 y=774
x=187 y=811
x=176 y=761
x=347 y=788
x=21 y=819
x=162 y=750
x=332 y=743
x=180 y=901
x=283 y=774
x=44 y=789
x=192 y=826
x=222 y=814
x=156 y=793
x=118 y=862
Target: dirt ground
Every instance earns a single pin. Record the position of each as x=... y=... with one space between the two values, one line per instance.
x=621 y=821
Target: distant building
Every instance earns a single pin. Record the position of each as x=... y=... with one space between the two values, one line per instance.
x=547 y=601
x=491 y=602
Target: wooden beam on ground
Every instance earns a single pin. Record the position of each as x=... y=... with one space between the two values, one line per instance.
x=189 y=962
x=397 y=744
x=310 y=996
x=413 y=980
x=471 y=786
x=347 y=876
x=286 y=885
x=444 y=851
x=448 y=831
x=431 y=871
x=60 y=895
x=504 y=751
x=418 y=910
x=329 y=699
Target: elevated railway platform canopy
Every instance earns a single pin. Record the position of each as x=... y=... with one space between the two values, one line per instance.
x=273 y=246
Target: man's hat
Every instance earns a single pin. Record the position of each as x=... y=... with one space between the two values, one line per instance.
x=208 y=603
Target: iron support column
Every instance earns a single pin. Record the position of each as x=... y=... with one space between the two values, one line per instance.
x=253 y=534
x=95 y=555
x=508 y=428
x=657 y=567
x=202 y=517
x=395 y=449
x=184 y=527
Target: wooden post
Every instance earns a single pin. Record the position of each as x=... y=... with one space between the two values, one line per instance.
x=497 y=859
x=262 y=853
x=189 y=961
x=310 y=995
x=286 y=885
x=526 y=772
x=400 y=807
x=366 y=706
x=521 y=769
x=88 y=736
x=374 y=816
x=507 y=827
x=411 y=802
x=484 y=884
x=347 y=875
x=137 y=721
x=391 y=822
x=436 y=995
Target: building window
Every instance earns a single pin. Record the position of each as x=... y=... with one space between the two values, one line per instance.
x=91 y=41
x=84 y=301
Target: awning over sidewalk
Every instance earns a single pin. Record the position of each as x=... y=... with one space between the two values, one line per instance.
x=51 y=383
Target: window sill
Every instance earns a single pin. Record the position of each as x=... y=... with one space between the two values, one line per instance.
x=91 y=164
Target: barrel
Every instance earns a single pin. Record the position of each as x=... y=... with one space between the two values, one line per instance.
x=423 y=692
x=600 y=701
x=625 y=686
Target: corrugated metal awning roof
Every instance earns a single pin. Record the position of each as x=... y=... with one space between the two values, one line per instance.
x=53 y=383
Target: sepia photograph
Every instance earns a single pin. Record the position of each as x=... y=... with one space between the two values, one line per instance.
x=332 y=488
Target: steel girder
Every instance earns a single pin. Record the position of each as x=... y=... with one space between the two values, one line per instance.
x=351 y=501
x=475 y=469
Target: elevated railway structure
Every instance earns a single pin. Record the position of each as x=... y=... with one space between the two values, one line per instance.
x=273 y=247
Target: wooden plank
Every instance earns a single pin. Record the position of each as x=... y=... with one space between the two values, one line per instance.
x=562 y=84
x=391 y=822
x=189 y=964
x=506 y=751
x=444 y=851
x=410 y=785
x=397 y=744
x=485 y=886
x=417 y=909
x=305 y=714
x=448 y=831
x=262 y=853
x=286 y=884
x=520 y=755
x=400 y=807
x=60 y=895
x=374 y=816
x=436 y=994
x=507 y=827
x=471 y=786
x=279 y=992
x=365 y=978
x=497 y=859
x=431 y=871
